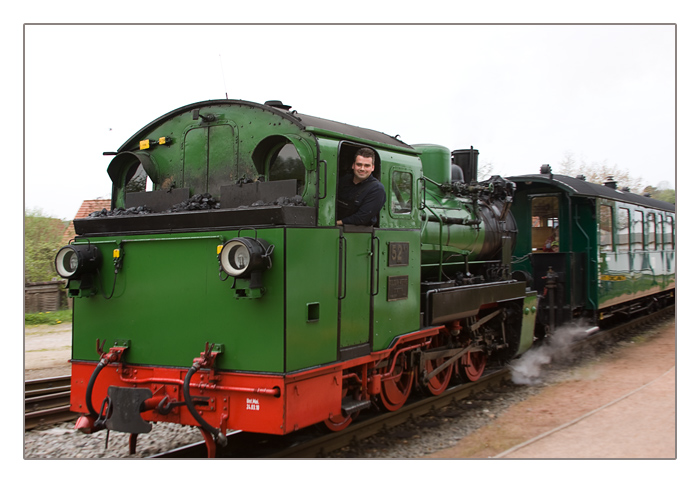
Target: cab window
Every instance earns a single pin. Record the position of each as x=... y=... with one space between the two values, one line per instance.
x=401 y=192
x=137 y=180
x=287 y=164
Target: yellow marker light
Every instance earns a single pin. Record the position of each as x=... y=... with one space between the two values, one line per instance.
x=162 y=140
x=116 y=253
x=218 y=249
x=145 y=144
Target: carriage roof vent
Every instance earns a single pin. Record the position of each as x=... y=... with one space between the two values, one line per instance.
x=611 y=183
x=547 y=169
x=581 y=177
x=278 y=105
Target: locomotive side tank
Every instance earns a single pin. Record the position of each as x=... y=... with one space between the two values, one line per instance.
x=218 y=292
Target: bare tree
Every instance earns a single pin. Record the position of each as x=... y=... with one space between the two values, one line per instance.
x=599 y=173
x=484 y=170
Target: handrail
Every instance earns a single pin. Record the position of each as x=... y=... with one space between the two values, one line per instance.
x=342 y=279
x=325 y=180
x=375 y=265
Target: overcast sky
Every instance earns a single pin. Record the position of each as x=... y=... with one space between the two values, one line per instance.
x=523 y=95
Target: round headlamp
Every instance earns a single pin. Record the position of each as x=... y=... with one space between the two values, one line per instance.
x=74 y=260
x=242 y=256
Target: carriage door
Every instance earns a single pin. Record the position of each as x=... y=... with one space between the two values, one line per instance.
x=546 y=255
x=544 y=239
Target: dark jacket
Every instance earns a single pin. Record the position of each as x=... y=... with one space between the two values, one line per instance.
x=359 y=204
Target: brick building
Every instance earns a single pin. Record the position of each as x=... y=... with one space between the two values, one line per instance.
x=88 y=206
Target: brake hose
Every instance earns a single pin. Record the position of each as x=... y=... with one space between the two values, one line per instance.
x=91 y=384
x=220 y=437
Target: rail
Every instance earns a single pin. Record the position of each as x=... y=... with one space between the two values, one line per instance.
x=47 y=401
x=307 y=445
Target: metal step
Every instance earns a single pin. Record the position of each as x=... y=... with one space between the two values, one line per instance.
x=349 y=406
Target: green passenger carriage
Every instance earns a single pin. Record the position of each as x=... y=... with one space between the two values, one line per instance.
x=218 y=292
x=593 y=250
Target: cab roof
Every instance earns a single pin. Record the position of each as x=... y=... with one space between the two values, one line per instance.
x=303 y=121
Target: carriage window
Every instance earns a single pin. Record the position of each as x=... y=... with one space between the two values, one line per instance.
x=545 y=224
x=651 y=231
x=669 y=232
x=605 y=232
x=288 y=165
x=401 y=192
x=638 y=231
x=623 y=230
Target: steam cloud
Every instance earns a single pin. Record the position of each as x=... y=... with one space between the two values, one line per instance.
x=528 y=369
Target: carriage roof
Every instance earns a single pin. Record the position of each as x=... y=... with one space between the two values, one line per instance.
x=579 y=187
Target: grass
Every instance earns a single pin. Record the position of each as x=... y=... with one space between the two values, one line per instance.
x=49 y=318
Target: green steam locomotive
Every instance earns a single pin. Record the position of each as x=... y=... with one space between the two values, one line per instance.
x=221 y=292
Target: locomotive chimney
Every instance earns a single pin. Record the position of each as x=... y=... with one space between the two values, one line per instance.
x=468 y=160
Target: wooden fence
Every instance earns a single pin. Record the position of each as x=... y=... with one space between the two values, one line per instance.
x=44 y=296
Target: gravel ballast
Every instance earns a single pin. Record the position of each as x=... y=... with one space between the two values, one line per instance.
x=443 y=428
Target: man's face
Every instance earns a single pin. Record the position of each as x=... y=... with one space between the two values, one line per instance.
x=362 y=168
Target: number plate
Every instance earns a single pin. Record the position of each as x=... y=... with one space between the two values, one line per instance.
x=398 y=254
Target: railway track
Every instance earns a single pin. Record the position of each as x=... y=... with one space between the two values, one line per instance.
x=47 y=401
x=372 y=425
x=312 y=443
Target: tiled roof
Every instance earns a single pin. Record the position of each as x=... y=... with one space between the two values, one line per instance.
x=88 y=206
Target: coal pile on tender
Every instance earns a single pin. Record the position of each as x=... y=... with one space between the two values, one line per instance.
x=197 y=202
x=134 y=210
